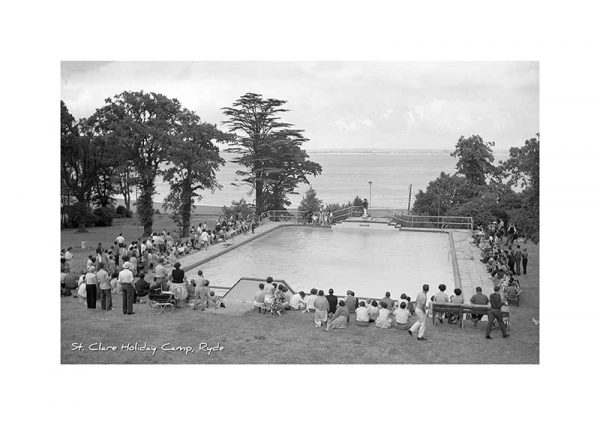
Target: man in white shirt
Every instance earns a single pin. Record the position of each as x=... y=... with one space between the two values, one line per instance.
x=420 y=307
x=362 y=315
x=310 y=301
x=69 y=254
x=126 y=279
x=402 y=314
x=204 y=239
x=297 y=301
x=120 y=240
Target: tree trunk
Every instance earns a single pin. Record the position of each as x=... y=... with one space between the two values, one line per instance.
x=259 y=198
x=145 y=205
x=186 y=208
x=83 y=202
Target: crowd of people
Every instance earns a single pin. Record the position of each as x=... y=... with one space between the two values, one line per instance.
x=133 y=269
x=139 y=268
x=334 y=312
x=503 y=257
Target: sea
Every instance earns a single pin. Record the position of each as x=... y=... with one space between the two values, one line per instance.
x=346 y=174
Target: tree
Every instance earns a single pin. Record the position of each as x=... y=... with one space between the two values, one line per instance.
x=125 y=180
x=79 y=165
x=192 y=161
x=240 y=208
x=143 y=125
x=270 y=151
x=310 y=204
x=475 y=158
x=443 y=194
x=523 y=167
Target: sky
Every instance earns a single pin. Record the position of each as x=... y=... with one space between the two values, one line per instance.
x=340 y=105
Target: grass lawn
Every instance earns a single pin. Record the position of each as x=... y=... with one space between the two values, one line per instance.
x=292 y=338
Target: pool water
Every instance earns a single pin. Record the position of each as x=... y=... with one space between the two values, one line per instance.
x=369 y=262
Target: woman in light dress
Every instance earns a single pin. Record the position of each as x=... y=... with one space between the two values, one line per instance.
x=321 y=309
x=384 y=321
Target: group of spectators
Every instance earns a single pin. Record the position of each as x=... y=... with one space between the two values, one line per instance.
x=225 y=228
x=333 y=312
x=503 y=256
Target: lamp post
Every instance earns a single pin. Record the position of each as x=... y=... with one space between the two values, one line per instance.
x=370 y=184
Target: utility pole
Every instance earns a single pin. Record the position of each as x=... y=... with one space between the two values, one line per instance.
x=370 y=205
x=409 y=196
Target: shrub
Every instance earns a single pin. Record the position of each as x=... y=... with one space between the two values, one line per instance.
x=104 y=216
x=78 y=213
x=122 y=212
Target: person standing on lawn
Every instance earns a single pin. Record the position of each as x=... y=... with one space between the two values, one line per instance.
x=105 y=288
x=518 y=258
x=126 y=280
x=495 y=313
x=90 y=286
x=524 y=256
x=420 y=306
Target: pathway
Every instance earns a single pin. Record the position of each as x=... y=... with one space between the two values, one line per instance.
x=472 y=271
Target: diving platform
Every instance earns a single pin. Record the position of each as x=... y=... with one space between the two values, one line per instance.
x=367 y=223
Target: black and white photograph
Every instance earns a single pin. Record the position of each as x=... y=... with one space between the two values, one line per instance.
x=300 y=212
x=305 y=212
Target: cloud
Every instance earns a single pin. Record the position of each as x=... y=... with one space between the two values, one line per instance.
x=339 y=104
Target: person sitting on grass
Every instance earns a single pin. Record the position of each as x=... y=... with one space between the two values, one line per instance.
x=214 y=301
x=388 y=301
x=457 y=298
x=278 y=299
x=321 y=309
x=259 y=298
x=286 y=299
x=383 y=321
x=441 y=297
x=402 y=315
x=373 y=311
x=269 y=290
x=351 y=302
x=362 y=315
x=298 y=301
x=479 y=298
x=142 y=288
x=339 y=319
x=310 y=301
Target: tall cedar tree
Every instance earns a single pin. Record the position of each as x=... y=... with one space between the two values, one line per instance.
x=270 y=151
x=192 y=161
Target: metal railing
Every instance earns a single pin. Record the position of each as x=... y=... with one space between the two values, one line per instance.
x=395 y=215
x=434 y=221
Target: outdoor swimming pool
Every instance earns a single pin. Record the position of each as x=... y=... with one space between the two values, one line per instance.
x=370 y=262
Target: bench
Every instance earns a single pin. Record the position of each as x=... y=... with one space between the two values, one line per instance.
x=462 y=309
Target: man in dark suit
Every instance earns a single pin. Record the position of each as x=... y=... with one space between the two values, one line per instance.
x=333 y=301
x=495 y=314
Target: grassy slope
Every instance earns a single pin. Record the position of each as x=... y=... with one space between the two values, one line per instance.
x=293 y=338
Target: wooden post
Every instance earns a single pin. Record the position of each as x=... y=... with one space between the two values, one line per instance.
x=409 y=196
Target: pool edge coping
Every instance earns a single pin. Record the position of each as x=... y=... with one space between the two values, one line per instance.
x=237 y=245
